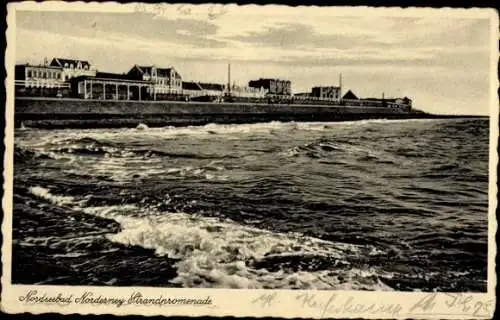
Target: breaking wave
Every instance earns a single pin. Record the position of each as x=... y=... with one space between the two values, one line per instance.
x=221 y=253
x=359 y=205
x=90 y=146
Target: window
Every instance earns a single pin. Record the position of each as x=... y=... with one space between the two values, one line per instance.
x=28 y=75
x=65 y=64
x=72 y=66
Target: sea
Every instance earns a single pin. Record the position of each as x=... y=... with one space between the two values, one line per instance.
x=363 y=205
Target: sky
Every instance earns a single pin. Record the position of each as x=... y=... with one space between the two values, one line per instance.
x=442 y=62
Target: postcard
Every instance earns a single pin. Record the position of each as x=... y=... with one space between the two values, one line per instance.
x=248 y=160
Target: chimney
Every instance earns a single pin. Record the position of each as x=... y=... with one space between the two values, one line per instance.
x=340 y=84
x=229 y=77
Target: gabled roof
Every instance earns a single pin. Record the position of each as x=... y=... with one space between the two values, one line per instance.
x=349 y=96
x=143 y=69
x=60 y=62
x=161 y=72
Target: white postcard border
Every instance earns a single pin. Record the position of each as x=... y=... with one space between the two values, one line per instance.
x=237 y=302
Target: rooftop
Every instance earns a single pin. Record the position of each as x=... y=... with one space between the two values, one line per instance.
x=162 y=72
x=37 y=66
x=62 y=62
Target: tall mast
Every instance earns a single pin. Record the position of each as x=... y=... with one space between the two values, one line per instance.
x=229 y=77
x=340 y=84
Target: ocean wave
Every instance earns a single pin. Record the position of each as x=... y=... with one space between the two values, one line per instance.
x=315 y=149
x=196 y=171
x=22 y=155
x=44 y=193
x=372 y=185
x=329 y=148
x=87 y=146
x=221 y=253
x=215 y=253
x=84 y=146
x=135 y=169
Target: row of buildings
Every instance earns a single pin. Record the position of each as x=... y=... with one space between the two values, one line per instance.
x=79 y=79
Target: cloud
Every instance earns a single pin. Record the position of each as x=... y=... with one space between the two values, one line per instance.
x=297 y=35
x=423 y=56
x=126 y=25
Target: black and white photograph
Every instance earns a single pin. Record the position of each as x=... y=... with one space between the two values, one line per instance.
x=306 y=149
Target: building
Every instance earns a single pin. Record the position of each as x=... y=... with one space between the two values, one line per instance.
x=191 y=86
x=392 y=101
x=166 y=81
x=406 y=101
x=198 y=89
x=39 y=76
x=246 y=92
x=72 y=68
x=39 y=80
x=349 y=95
x=272 y=86
x=110 y=86
x=212 y=89
x=328 y=92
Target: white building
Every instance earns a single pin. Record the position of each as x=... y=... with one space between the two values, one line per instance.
x=247 y=92
x=165 y=80
x=73 y=68
x=38 y=76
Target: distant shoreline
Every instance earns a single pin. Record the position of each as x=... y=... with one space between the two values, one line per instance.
x=57 y=113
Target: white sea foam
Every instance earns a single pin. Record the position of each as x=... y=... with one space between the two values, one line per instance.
x=207 y=131
x=127 y=169
x=219 y=253
x=142 y=126
x=216 y=253
x=45 y=194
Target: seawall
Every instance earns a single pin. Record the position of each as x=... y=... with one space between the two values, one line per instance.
x=77 y=113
